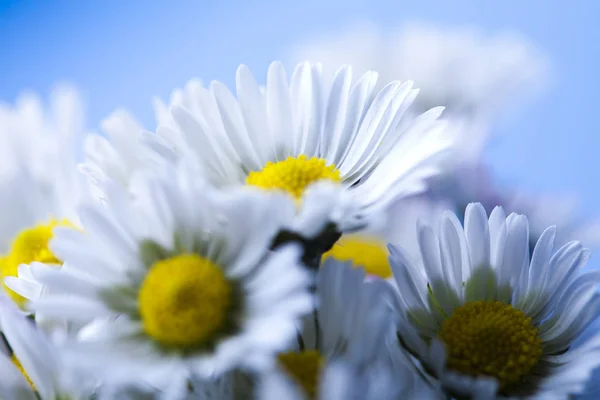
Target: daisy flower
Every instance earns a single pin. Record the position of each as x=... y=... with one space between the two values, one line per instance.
x=297 y=132
x=31 y=365
x=39 y=182
x=185 y=276
x=482 y=318
x=343 y=337
x=476 y=76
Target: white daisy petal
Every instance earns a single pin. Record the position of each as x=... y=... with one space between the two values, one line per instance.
x=477 y=236
x=432 y=261
x=233 y=123
x=409 y=282
x=361 y=97
x=335 y=112
x=279 y=110
x=312 y=113
x=376 y=123
x=68 y=307
x=515 y=251
x=23 y=287
x=253 y=109
x=565 y=265
x=496 y=220
x=454 y=248
x=538 y=271
x=384 y=131
x=64 y=281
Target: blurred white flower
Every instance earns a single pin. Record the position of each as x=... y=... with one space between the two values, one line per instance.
x=476 y=77
x=340 y=351
x=39 y=181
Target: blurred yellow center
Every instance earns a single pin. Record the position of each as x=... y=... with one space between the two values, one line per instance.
x=491 y=338
x=304 y=368
x=17 y=364
x=367 y=252
x=293 y=175
x=184 y=301
x=28 y=246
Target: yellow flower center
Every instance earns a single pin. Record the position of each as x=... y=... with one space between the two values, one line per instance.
x=17 y=364
x=304 y=368
x=184 y=301
x=28 y=246
x=367 y=252
x=293 y=175
x=491 y=338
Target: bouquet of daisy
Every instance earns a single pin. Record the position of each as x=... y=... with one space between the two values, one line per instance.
x=326 y=234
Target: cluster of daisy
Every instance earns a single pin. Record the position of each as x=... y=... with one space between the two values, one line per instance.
x=238 y=251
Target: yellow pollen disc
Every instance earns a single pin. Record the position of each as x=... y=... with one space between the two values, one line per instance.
x=491 y=338
x=293 y=175
x=184 y=301
x=367 y=252
x=17 y=364
x=28 y=246
x=304 y=368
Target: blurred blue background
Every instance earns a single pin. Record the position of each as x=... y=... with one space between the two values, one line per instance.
x=121 y=53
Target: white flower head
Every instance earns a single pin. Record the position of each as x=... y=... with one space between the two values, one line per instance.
x=182 y=276
x=298 y=132
x=476 y=76
x=340 y=349
x=39 y=182
x=484 y=318
x=32 y=366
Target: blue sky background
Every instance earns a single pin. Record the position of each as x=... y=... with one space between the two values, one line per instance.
x=121 y=53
